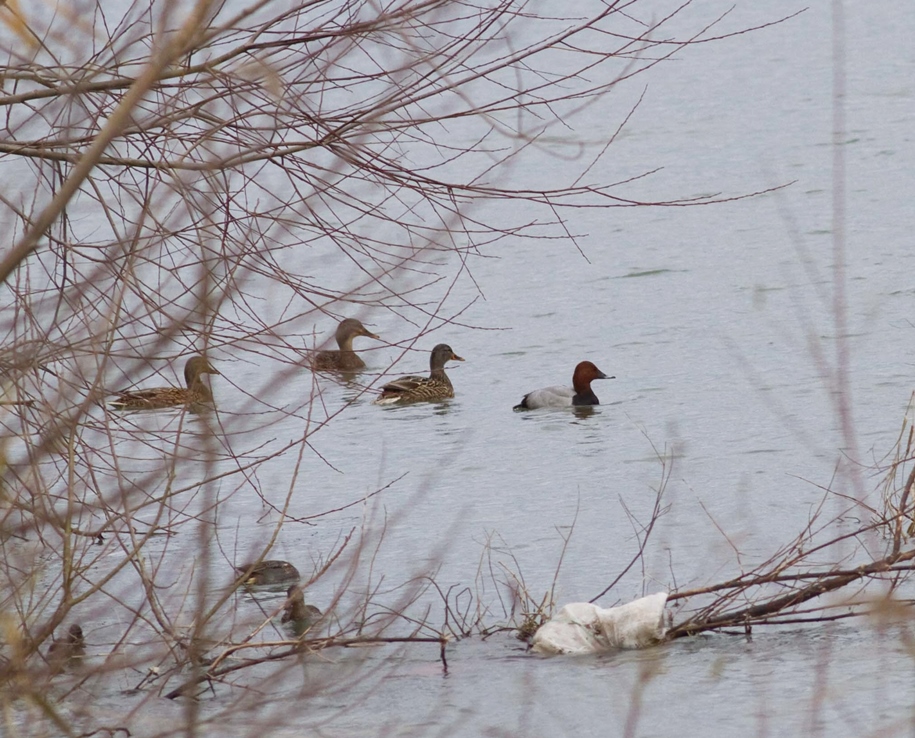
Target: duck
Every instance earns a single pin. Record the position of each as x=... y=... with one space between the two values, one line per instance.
x=67 y=651
x=433 y=388
x=158 y=398
x=344 y=359
x=299 y=616
x=270 y=571
x=580 y=393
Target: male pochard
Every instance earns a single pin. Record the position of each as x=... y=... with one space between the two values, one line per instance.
x=580 y=393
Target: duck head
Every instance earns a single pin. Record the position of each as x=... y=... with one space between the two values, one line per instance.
x=196 y=366
x=442 y=354
x=350 y=328
x=584 y=373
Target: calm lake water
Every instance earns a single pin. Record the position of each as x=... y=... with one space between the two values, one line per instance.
x=711 y=319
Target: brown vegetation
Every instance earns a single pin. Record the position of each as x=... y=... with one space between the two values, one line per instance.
x=164 y=172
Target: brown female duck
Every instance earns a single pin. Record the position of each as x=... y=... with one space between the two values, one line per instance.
x=271 y=571
x=157 y=398
x=297 y=614
x=580 y=393
x=344 y=359
x=433 y=388
x=67 y=651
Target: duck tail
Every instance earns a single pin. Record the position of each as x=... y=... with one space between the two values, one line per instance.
x=522 y=405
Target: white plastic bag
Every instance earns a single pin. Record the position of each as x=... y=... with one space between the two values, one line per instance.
x=581 y=627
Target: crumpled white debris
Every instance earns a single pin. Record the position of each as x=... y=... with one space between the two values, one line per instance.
x=580 y=627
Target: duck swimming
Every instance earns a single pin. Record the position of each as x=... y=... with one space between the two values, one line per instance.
x=344 y=359
x=68 y=651
x=158 y=398
x=299 y=616
x=435 y=387
x=580 y=393
x=271 y=571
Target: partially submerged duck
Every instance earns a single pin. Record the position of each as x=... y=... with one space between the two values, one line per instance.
x=67 y=651
x=299 y=616
x=411 y=388
x=344 y=359
x=580 y=393
x=158 y=398
x=271 y=571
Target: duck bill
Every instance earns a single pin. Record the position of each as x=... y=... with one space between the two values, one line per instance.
x=455 y=357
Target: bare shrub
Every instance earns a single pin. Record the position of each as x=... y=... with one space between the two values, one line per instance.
x=176 y=177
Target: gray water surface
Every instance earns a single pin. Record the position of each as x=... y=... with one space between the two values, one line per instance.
x=711 y=318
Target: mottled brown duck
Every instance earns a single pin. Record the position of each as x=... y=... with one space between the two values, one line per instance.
x=296 y=614
x=433 y=388
x=67 y=651
x=270 y=571
x=344 y=359
x=157 y=398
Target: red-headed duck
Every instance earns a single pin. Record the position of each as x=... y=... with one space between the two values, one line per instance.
x=344 y=359
x=433 y=388
x=158 y=398
x=580 y=393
